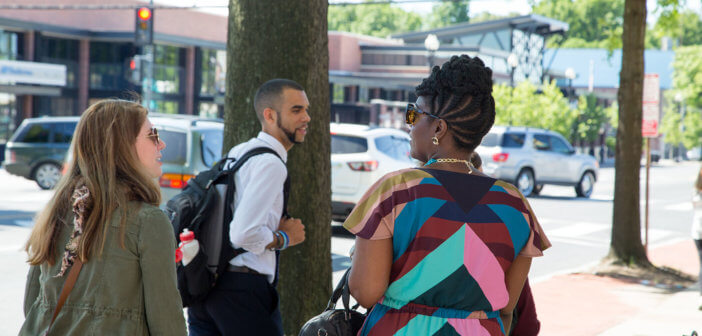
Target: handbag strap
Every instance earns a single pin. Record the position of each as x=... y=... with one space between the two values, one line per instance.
x=67 y=287
x=341 y=291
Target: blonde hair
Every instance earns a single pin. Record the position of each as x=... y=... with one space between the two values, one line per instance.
x=104 y=160
x=698 y=183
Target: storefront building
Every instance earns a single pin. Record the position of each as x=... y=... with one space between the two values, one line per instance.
x=57 y=62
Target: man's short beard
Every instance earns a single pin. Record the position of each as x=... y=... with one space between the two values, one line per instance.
x=290 y=135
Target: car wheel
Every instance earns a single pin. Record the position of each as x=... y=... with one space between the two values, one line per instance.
x=537 y=189
x=47 y=175
x=585 y=186
x=525 y=182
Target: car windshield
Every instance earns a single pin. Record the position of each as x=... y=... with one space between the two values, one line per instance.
x=211 y=146
x=344 y=144
x=176 y=147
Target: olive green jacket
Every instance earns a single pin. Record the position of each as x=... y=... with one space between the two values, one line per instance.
x=125 y=291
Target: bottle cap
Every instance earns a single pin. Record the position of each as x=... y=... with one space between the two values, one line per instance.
x=187 y=235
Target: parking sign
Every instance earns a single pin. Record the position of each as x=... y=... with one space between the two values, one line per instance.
x=651 y=106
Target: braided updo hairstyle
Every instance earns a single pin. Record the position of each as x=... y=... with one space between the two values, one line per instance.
x=460 y=93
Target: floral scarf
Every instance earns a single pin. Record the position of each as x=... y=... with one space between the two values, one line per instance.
x=81 y=205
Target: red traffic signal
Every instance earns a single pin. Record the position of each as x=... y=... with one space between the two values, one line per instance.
x=132 y=64
x=144 y=28
x=144 y=13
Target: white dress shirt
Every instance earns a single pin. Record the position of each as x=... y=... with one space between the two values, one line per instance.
x=258 y=203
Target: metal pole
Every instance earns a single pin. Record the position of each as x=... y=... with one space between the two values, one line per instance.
x=648 y=167
x=147 y=85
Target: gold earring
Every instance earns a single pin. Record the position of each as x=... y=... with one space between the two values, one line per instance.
x=435 y=141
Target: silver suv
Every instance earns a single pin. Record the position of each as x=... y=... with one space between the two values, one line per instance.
x=532 y=157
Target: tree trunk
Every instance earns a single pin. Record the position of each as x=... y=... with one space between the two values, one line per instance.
x=288 y=39
x=626 y=243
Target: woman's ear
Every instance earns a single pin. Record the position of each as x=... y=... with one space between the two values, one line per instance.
x=441 y=128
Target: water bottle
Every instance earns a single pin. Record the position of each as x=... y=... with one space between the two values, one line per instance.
x=186 y=236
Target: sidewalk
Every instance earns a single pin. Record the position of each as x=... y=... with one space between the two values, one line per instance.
x=586 y=304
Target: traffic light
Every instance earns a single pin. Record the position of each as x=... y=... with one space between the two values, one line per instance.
x=144 y=30
x=132 y=70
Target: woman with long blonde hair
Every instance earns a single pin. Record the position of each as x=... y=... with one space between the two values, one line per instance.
x=103 y=224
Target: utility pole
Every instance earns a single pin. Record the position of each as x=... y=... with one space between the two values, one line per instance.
x=144 y=37
x=149 y=57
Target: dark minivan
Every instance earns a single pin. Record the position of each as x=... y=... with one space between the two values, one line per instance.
x=38 y=148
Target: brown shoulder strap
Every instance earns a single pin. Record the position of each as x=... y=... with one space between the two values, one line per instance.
x=67 y=287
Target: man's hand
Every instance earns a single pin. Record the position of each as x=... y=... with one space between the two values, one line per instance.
x=294 y=229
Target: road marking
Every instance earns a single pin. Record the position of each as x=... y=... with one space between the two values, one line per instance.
x=578 y=241
x=577 y=229
x=683 y=206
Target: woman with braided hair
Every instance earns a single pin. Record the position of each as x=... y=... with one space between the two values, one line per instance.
x=443 y=249
x=102 y=240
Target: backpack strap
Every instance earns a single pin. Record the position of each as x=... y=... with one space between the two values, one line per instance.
x=229 y=196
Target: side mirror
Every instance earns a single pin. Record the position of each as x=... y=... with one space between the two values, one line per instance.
x=571 y=151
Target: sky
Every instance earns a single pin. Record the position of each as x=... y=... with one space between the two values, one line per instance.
x=497 y=7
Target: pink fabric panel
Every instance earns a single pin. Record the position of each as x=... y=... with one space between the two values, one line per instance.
x=468 y=327
x=485 y=269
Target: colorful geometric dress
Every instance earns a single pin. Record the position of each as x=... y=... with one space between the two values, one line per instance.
x=454 y=236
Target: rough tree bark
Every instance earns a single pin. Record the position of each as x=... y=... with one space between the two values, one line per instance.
x=626 y=246
x=288 y=39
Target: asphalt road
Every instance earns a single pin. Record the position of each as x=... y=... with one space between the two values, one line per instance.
x=579 y=229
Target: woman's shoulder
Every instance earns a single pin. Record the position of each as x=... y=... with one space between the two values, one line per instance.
x=139 y=213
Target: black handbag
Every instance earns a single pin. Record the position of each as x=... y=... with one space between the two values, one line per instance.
x=336 y=322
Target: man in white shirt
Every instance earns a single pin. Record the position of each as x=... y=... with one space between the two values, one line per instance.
x=245 y=301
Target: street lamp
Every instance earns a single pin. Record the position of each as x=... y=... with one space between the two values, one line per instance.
x=512 y=61
x=431 y=43
x=570 y=75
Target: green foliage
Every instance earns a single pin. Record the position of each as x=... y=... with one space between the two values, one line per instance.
x=684 y=27
x=687 y=75
x=381 y=20
x=524 y=105
x=592 y=23
x=670 y=125
x=590 y=119
x=448 y=13
x=692 y=137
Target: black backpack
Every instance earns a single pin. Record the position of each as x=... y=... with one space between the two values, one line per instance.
x=204 y=207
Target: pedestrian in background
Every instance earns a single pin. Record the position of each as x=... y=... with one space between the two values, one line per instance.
x=103 y=224
x=443 y=248
x=697 y=225
x=245 y=301
x=524 y=321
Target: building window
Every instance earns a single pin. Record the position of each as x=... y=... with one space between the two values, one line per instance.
x=167 y=69
x=209 y=110
x=54 y=106
x=213 y=70
x=8 y=113
x=107 y=65
x=10 y=45
x=60 y=51
x=165 y=106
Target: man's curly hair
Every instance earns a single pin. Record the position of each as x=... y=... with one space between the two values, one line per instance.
x=460 y=93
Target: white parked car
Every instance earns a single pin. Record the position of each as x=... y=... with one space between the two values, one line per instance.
x=360 y=155
x=531 y=157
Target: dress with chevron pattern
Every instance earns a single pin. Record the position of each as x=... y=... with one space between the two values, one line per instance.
x=454 y=236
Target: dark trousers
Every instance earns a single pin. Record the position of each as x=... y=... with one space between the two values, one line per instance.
x=698 y=243
x=240 y=304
